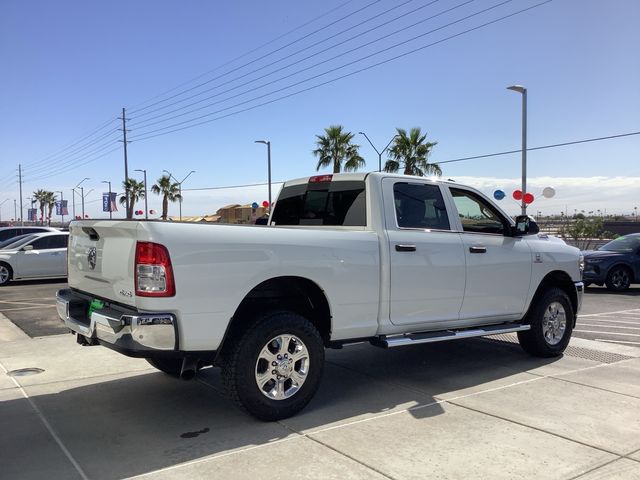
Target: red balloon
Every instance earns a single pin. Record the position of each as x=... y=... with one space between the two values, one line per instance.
x=528 y=198
x=86 y=215
x=265 y=204
x=517 y=195
x=152 y=212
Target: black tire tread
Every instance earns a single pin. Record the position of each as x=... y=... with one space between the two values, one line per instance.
x=273 y=320
x=610 y=285
x=532 y=341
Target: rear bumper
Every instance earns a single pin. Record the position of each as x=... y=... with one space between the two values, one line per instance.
x=126 y=330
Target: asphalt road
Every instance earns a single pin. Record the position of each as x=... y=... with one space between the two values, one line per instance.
x=605 y=316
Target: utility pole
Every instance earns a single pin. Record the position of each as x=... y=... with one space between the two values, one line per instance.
x=15 y=211
x=20 y=180
x=146 y=194
x=73 y=195
x=126 y=164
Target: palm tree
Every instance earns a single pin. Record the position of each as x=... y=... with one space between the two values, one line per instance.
x=39 y=196
x=50 y=202
x=335 y=147
x=411 y=152
x=169 y=191
x=136 y=192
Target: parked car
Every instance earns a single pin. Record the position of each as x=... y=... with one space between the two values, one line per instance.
x=390 y=259
x=615 y=264
x=19 y=239
x=42 y=255
x=10 y=232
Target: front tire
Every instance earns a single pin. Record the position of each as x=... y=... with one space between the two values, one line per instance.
x=551 y=320
x=6 y=273
x=274 y=366
x=618 y=279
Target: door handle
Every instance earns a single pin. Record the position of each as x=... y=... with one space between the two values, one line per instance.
x=405 y=248
x=478 y=249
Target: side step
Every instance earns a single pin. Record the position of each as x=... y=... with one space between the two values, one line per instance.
x=442 y=336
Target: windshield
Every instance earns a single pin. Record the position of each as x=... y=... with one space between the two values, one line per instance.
x=626 y=244
x=17 y=242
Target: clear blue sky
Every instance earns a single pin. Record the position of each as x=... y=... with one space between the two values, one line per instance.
x=70 y=66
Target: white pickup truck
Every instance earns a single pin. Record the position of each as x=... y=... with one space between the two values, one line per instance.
x=387 y=259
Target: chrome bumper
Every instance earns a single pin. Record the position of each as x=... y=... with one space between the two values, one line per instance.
x=580 y=294
x=129 y=331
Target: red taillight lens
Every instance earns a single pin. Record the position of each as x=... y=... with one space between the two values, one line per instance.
x=153 y=273
x=320 y=178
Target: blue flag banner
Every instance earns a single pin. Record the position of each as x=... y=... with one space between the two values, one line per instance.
x=61 y=207
x=109 y=204
x=32 y=214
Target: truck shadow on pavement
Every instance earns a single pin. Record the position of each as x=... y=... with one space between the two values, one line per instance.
x=149 y=421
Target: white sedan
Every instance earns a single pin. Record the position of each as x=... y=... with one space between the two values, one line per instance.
x=41 y=255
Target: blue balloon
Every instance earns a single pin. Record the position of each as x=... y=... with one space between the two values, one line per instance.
x=498 y=195
x=254 y=205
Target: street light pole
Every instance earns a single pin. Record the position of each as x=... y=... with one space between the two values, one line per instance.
x=110 y=212
x=74 y=197
x=179 y=186
x=146 y=205
x=523 y=91
x=268 y=144
x=61 y=205
x=2 y=203
x=378 y=152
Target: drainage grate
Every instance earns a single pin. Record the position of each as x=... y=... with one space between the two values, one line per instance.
x=25 y=372
x=579 y=352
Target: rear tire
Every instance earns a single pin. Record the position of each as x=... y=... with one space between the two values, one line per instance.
x=618 y=279
x=6 y=273
x=551 y=320
x=274 y=366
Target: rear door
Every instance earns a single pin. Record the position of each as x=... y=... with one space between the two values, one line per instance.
x=427 y=261
x=498 y=265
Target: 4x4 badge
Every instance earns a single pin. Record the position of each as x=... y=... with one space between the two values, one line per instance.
x=91 y=258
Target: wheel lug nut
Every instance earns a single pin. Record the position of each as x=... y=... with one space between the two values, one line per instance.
x=273 y=372
x=279 y=357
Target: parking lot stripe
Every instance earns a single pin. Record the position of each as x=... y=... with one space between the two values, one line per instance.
x=617 y=341
x=633 y=311
x=609 y=333
x=48 y=426
x=608 y=321
x=607 y=326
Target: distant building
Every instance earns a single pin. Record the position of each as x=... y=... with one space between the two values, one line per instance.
x=233 y=213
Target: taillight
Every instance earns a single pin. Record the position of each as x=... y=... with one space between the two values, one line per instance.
x=320 y=178
x=153 y=272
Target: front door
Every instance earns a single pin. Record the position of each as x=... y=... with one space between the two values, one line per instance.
x=498 y=265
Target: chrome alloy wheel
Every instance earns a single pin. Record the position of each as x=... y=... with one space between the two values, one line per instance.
x=554 y=323
x=282 y=367
x=4 y=274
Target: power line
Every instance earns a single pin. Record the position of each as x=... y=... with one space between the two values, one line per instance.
x=596 y=139
x=56 y=154
x=70 y=156
x=244 y=54
x=265 y=55
x=74 y=166
x=240 y=77
x=156 y=133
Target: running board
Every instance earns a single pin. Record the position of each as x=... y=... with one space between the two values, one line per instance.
x=442 y=336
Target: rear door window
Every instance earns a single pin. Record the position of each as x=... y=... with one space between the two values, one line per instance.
x=340 y=203
x=420 y=206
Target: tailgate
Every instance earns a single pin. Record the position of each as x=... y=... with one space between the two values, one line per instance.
x=101 y=258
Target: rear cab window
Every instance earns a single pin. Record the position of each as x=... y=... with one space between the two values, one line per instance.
x=322 y=202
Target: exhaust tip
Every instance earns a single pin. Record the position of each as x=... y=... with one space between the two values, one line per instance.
x=189 y=367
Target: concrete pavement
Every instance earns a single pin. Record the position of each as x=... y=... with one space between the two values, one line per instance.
x=469 y=409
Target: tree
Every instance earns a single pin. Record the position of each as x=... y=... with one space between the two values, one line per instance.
x=40 y=197
x=411 y=151
x=50 y=202
x=335 y=148
x=136 y=192
x=169 y=191
x=584 y=232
